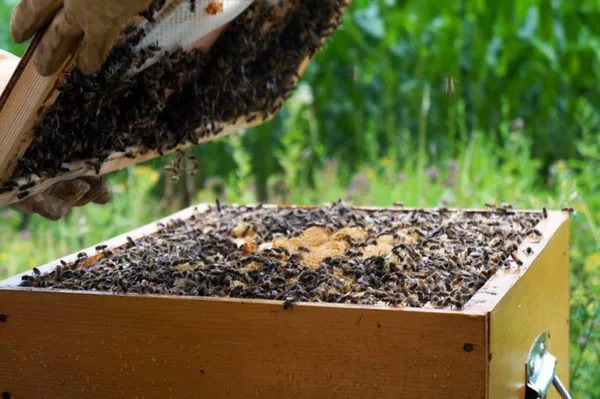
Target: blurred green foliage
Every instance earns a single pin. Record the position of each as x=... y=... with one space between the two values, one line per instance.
x=512 y=60
x=373 y=122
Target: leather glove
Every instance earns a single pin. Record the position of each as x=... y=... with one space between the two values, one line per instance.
x=55 y=202
x=98 y=22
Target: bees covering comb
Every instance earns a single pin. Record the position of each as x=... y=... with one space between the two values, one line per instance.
x=185 y=97
x=334 y=254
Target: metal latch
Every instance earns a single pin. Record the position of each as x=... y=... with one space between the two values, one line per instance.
x=541 y=372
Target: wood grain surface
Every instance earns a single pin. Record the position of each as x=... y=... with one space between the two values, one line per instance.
x=82 y=345
x=538 y=301
x=22 y=102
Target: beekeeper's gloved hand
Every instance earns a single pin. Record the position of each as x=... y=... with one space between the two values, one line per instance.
x=55 y=202
x=97 y=23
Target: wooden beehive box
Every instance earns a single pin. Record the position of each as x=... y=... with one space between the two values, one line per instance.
x=75 y=344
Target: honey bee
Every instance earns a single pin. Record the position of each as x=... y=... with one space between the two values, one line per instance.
x=27 y=186
x=288 y=303
x=22 y=195
x=516 y=259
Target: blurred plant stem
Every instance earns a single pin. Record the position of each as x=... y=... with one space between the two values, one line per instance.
x=465 y=66
x=425 y=104
x=25 y=218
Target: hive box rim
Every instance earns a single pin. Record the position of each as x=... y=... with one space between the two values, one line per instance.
x=480 y=304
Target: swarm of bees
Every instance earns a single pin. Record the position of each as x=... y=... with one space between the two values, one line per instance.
x=155 y=110
x=179 y=165
x=415 y=258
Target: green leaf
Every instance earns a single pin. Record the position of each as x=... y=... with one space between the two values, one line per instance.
x=369 y=20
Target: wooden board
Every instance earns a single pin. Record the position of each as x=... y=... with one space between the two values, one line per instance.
x=21 y=103
x=75 y=345
x=63 y=344
x=537 y=301
x=26 y=97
